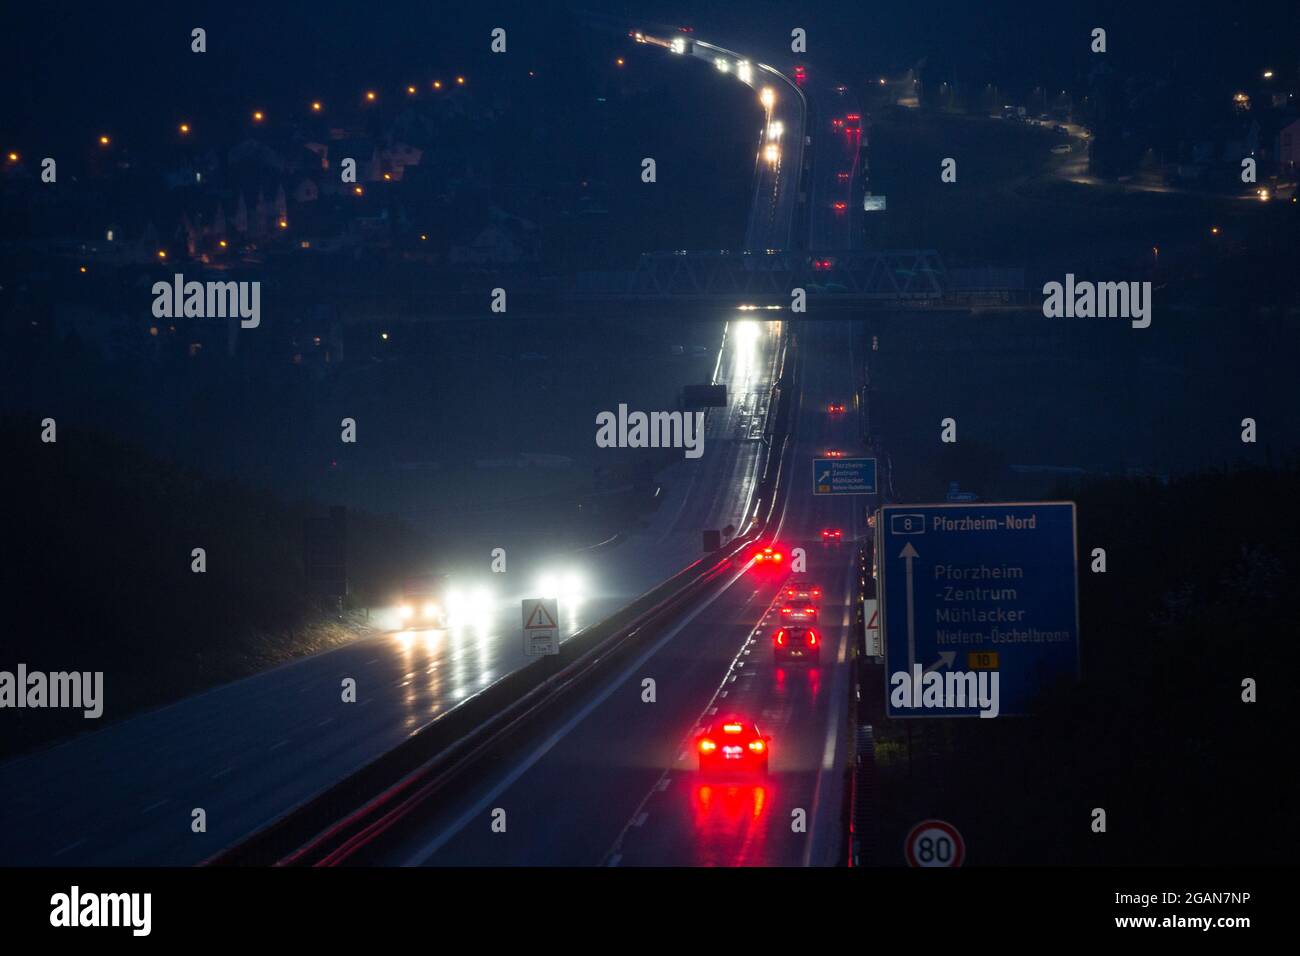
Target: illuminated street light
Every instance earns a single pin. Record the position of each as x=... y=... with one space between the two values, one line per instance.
x=258 y=116
x=619 y=61
x=371 y=96
x=13 y=157
x=104 y=141
x=460 y=81
x=1268 y=74
x=316 y=106
x=410 y=91
x=437 y=84
x=185 y=129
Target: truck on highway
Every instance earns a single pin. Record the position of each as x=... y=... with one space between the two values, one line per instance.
x=424 y=602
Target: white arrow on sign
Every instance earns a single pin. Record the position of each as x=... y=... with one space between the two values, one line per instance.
x=945 y=660
x=907 y=554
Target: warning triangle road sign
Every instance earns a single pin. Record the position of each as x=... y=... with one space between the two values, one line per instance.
x=539 y=618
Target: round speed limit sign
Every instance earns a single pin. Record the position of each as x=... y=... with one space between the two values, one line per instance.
x=934 y=843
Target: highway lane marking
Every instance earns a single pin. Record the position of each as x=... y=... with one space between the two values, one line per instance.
x=70 y=846
x=279 y=745
x=221 y=773
x=327 y=720
x=643 y=816
x=477 y=810
x=155 y=806
x=615 y=852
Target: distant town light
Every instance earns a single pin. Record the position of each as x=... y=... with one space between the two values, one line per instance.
x=1268 y=74
x=185 y=129
x=437 y=84
x=13 y=157
x=460 y=81
x=410 y=91
x=619 y=61
x=222 y=243
x=162 y=253
x=316 y=106
x=424 y=237
x=371 y=95
x=108 y=236
x=104 y=141
x=284 y=223
x=1214 y=230
x=358 y=190
x=258 y=116
x=82 y=269
x=384 y=336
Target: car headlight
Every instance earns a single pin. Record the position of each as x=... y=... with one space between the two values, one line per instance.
x=405 y=612
x=430 y=609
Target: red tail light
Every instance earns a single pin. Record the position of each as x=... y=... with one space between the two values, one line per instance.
x=780 y=638
x=812 y=638
x=757 y=746
x=707 y=746
x=732 y=728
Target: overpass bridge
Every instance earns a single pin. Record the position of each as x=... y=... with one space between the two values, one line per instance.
x=894 y=278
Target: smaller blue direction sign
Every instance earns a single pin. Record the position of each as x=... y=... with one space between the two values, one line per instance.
x=979 y=605
x=844 y=476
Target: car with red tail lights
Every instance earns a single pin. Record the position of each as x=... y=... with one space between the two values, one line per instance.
x=733 y=743
x=797 y=644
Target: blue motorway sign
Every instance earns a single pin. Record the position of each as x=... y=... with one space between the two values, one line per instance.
x=979 y=605
x=844 y=476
